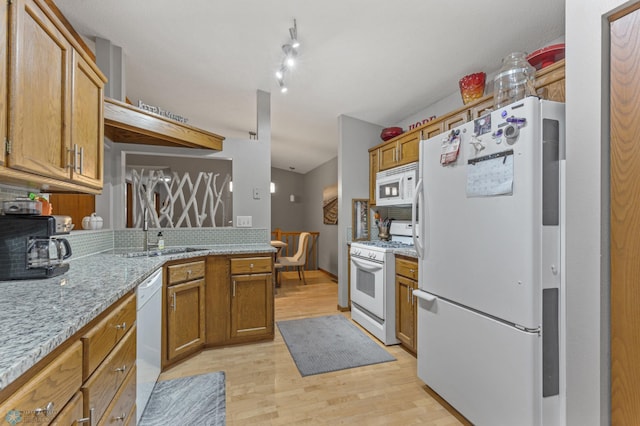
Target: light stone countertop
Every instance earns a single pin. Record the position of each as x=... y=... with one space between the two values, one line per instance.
x=36 y=316
x=406 y=252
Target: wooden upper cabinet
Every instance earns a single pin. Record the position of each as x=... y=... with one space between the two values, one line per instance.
x=4 y=39
x=431 y=130
x=456 y=120
x=55 y=125
x=399 y=151
x=373 y=169
x=550 y=82
x=39 y=98
x=87 y=131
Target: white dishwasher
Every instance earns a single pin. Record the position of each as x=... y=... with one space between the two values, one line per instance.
x=149 y=322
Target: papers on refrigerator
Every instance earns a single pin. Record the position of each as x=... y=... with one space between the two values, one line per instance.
x=490 y=175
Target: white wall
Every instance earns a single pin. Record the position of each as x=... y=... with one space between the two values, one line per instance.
x=356 y=137
x=587 y=233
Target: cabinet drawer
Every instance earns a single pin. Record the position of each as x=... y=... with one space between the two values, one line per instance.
x=99 y=341
x=251 y=265
x=51 y=389
x=71 y=413
x=407 y=268
x=185 y=272
x=101 y=387
x=122 y=403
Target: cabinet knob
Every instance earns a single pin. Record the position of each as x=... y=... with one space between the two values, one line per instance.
x=46 y=411
x=121 y=369
x=120 y=418
x=251 y=265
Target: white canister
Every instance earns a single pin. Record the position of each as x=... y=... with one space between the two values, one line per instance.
x=92 y=222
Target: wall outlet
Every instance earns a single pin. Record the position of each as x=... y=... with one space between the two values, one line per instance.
x=243 y=221
x=256 y=193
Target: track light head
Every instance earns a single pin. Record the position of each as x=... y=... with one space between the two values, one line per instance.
x=293 y=33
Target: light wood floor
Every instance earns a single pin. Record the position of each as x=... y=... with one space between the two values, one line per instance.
x=263 y=385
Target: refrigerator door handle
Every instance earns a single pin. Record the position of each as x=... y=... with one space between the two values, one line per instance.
x=417 y=195
x=420 y=294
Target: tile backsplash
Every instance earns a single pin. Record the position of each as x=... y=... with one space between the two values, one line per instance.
x=84 y=243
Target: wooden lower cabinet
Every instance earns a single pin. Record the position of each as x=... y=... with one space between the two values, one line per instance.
x=406 y=303
x=45 y=395
x=72 y=413
x=184 y=309
x=239 y=299
x=56 y=392
x=103 y=385
x=252 y=306
x=123 y=406
x=185 y=318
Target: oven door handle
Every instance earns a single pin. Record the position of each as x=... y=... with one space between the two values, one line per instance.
x=366 y=266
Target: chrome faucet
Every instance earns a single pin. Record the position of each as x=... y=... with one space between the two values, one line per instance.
x=145 y=228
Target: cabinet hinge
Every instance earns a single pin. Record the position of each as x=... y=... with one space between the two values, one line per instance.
x=7 y=145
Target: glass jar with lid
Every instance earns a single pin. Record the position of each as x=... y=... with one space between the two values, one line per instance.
x=514 y=81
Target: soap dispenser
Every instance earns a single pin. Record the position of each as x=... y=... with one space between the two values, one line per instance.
x=160 y=241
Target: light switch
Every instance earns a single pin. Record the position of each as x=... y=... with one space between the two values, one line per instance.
x=244 y=221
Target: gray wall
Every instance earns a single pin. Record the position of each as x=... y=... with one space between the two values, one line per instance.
x=314 y=182
x=356 y=137
x=286 y=215
x=305 y=214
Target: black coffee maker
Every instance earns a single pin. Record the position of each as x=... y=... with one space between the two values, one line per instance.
x=30 y=247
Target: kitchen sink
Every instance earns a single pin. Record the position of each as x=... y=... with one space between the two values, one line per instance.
x=163 y=252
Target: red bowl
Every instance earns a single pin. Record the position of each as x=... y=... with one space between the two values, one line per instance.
x=390 y=133
x=546 y=56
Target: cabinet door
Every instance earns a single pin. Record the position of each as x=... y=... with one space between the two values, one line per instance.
x=251 y=305
x=39 y=101
x=4 y=39
x=432 y=130
x=185 y=318
x=388 y=156
x=405 y=312
x=373 y=169
x=87 y=129
x=408 y=148
x=456 y=120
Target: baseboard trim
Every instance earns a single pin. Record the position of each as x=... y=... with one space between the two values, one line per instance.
x=333 y=277
x=344 y=308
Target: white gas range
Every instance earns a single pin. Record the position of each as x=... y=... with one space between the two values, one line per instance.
x=373 y=300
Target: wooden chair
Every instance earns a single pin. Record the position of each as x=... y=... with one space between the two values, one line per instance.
x=299 y=259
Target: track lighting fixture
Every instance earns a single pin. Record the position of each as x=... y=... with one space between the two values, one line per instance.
x=293 y=33
x=290 y=51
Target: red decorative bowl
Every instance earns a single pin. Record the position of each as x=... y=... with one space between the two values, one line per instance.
x=390 y=133
x=546 y=56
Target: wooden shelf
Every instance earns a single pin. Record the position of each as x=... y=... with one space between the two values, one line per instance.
x=126 y=123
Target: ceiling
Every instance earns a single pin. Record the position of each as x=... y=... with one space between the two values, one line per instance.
x=375 y=60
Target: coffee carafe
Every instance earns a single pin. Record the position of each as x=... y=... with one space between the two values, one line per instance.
x=47 y=251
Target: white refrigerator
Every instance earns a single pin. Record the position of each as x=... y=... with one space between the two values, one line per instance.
x=489 y=204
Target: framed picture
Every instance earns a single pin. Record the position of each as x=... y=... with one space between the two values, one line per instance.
x=360 y=216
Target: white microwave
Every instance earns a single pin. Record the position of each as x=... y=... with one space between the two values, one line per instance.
x=395 y=187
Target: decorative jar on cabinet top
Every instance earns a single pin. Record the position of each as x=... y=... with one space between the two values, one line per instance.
x=514 y=81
